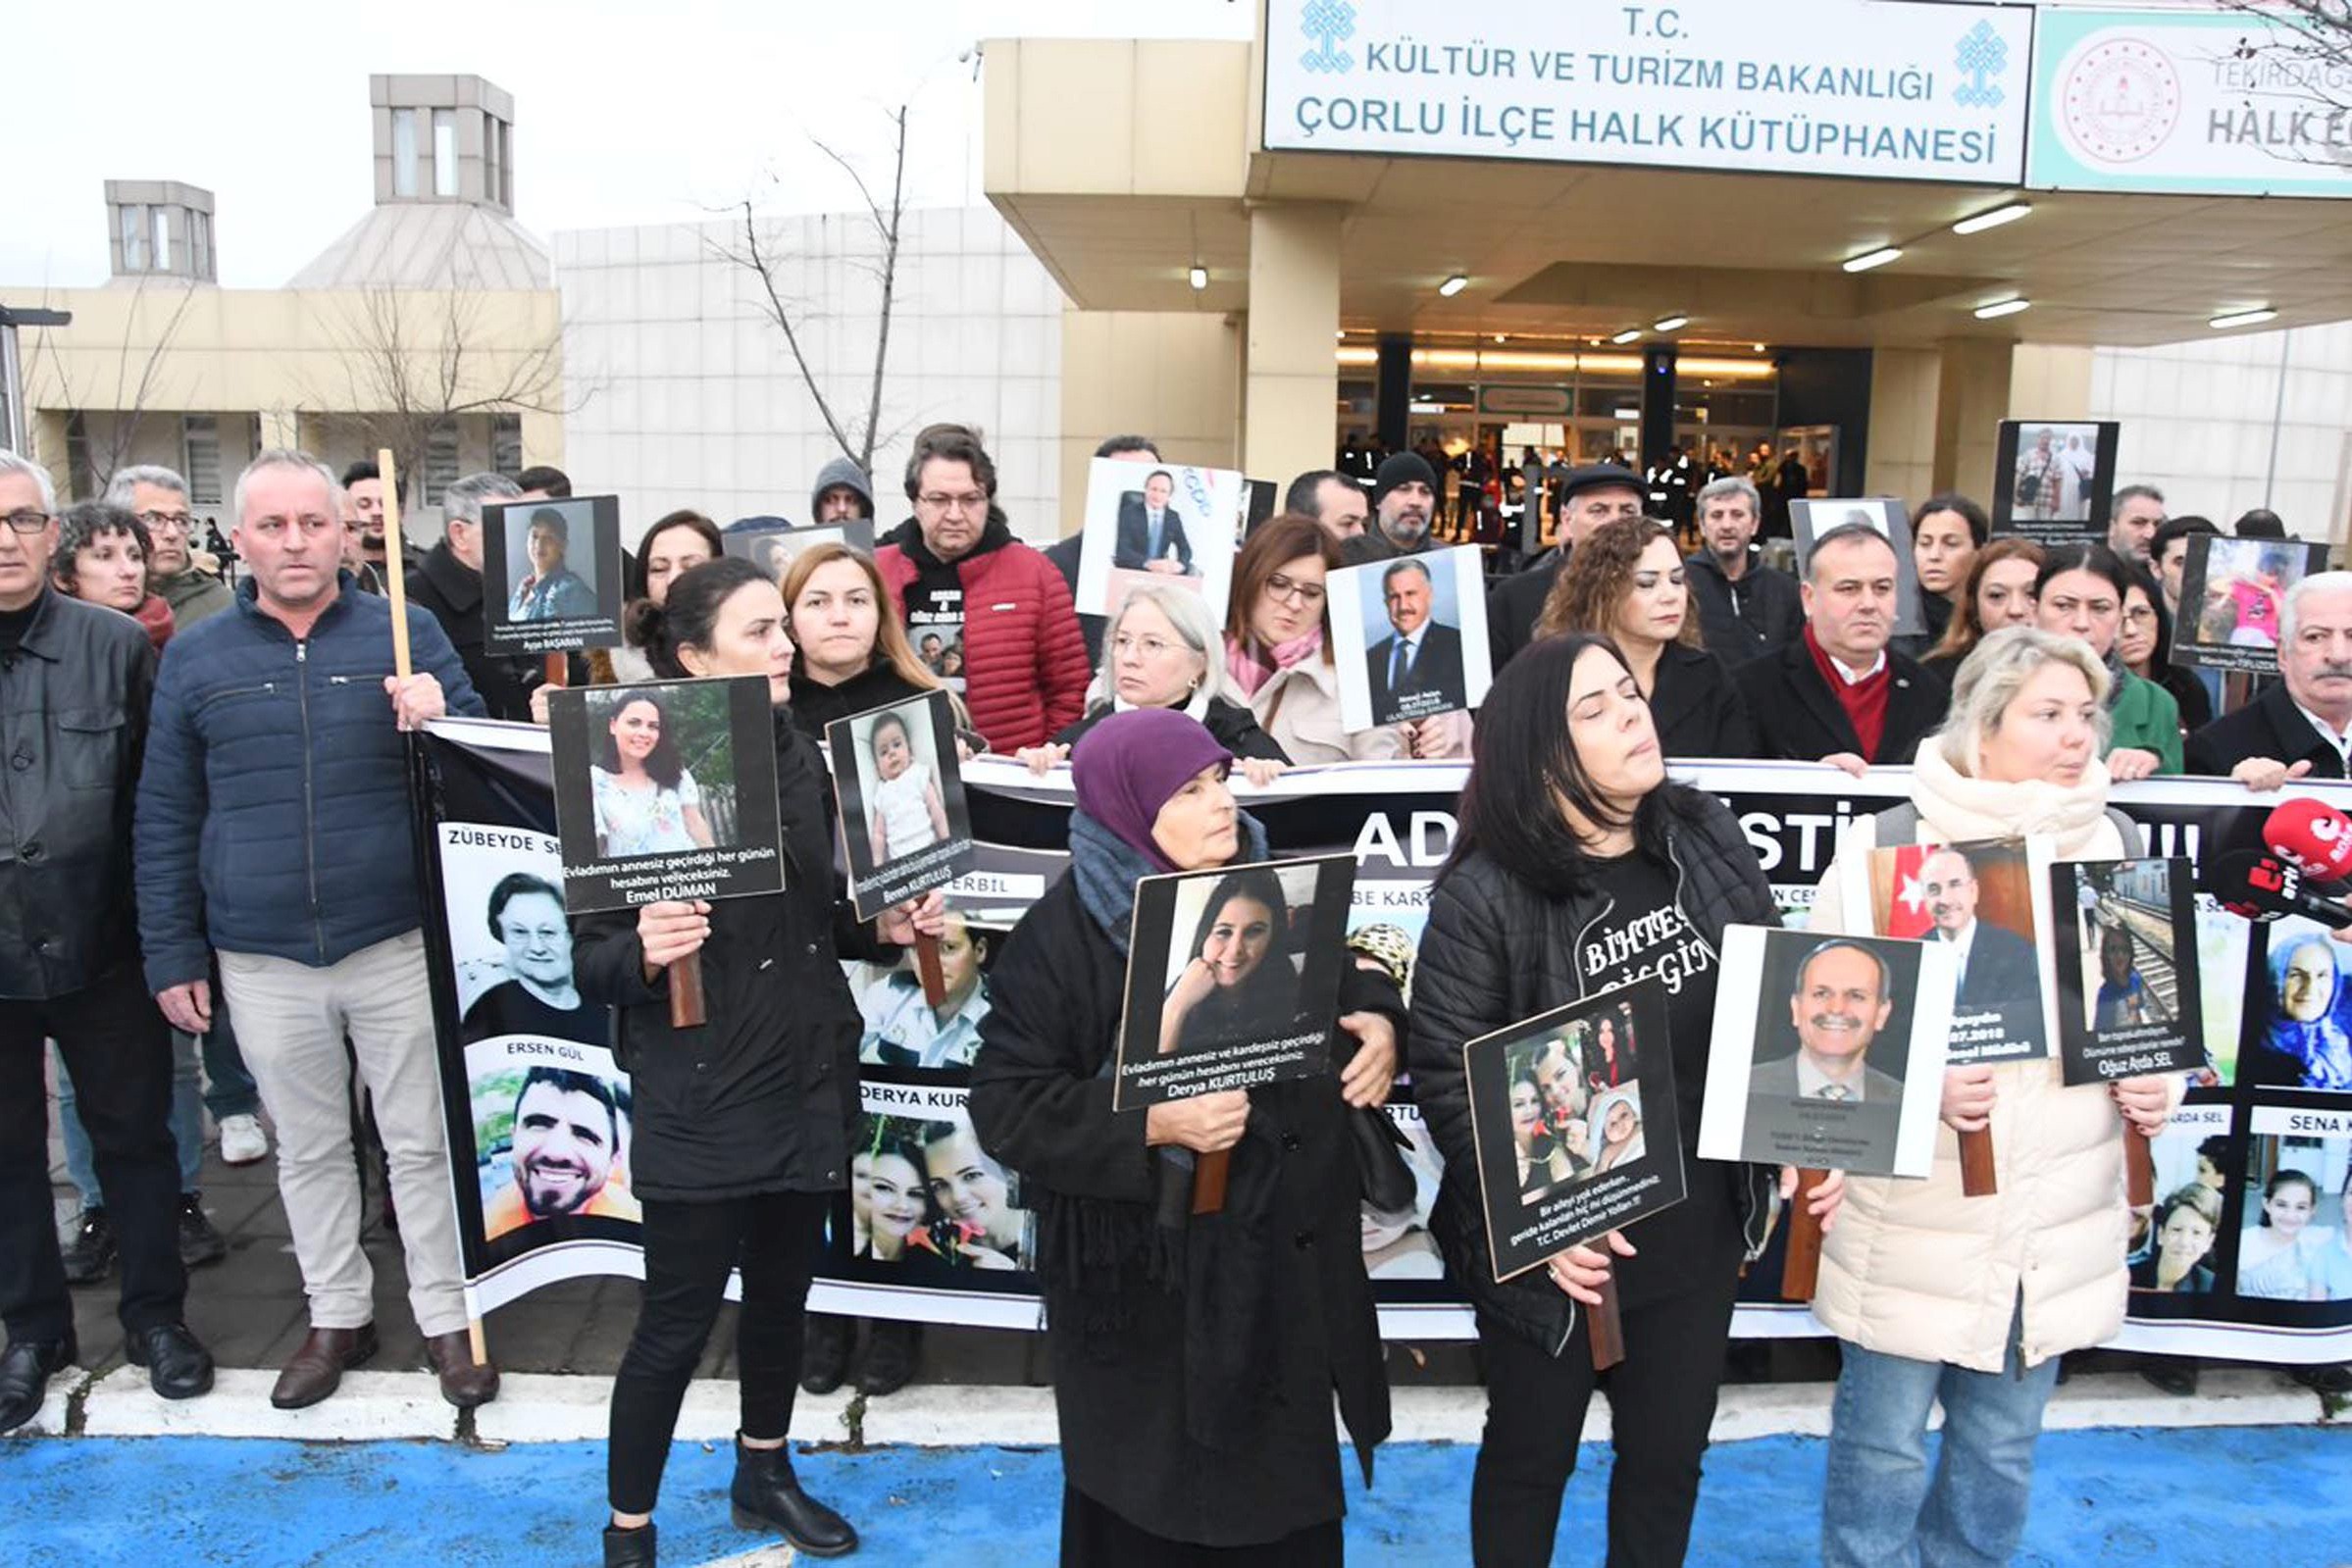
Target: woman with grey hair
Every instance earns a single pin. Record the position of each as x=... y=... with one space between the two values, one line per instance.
x=1164 y=649
x=1971 y=1301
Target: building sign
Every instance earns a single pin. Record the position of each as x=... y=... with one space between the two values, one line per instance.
x=1882 y=89
x=2226 y=105
x=1552 y=400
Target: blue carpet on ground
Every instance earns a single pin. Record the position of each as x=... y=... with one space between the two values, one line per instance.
x=2275 y=1497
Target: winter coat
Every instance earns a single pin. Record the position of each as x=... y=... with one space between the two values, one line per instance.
x=194 y=595
x=761 y=1097
x=1233 y=726
x=1299 y=709
x=1697 y=709
x=2146 y=717
x=1913 y=1268
x=451 y=591
x=1748 y=618
x=1799 y=717
x=273 y=815
x=1025 y=668
x=2270 y=726
x=1497 y=950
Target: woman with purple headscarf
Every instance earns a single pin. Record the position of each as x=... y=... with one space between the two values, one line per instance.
x=1195 y=1357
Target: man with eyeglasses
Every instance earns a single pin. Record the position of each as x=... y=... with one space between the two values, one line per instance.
x=159 y=499
x=273 y=830
x=955 y=572
x=75 y=681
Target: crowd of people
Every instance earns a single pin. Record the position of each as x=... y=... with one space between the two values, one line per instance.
x=208 y=797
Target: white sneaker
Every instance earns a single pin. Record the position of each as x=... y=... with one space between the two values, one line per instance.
x=242 y=1142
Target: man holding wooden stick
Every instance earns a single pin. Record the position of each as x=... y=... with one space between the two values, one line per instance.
x=273 y=825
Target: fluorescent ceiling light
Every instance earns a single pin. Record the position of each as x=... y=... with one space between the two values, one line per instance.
x=1453 y=286
x=2245 y=317
x=1627 y=336
x=1870 y=259
x=1198 y=276
x=1668 y=323
x=2006 y=307
x=2007 y=214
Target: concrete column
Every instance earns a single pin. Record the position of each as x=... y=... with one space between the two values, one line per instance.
x=1901 y=460
x=1971 y=400
x=1292 y=381
x=2049 y=381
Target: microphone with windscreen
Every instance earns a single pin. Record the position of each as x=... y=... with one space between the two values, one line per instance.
x=2312 y=836
x=2262 y=887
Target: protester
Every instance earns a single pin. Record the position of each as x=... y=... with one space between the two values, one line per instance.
x=363 y=517
x=954 y=565
x=1627 y=583
x=843 y=493
x=1946 y=533
x=742 y=1126
x=2259 y=522
x=676 y=544
x=1971 y=1300
x=2144 y=644
x=1838 y=693
x=1997 y=592
x=1331 y=498
x=1164 y=653
x=102 y=558
x=75 y=683
x=1746 y=608
x=275 y=829
x=159 y=499
x=2302 y=725
x=2133 y=515
x=1404 y=511
x=2079 y=592
x=1579 y=867
x=1278 y=645
x=448 y=585
x=1587 y=498
x=1196 y=1357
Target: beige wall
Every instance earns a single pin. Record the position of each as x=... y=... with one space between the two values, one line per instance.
x=1901 y=459
x=1174 y=376
x=1972 y=401
x=1293 y=384
x=1115 y=116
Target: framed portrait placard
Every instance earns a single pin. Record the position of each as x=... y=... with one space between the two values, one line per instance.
x=1151 y=524
x=1233 y=977
x=1574 y=1120
x=774 y=550
x=2129 y=999
x=1988 y=904
x=905 y=825
x=665 y=790
x=1408 y=636
x=2053 y=481
x=2232 y=595
x=551 y=575
x=1827 y=1051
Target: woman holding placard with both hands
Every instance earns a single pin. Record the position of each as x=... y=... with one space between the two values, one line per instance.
x=1195 y=1357
x=1579 y=867
x=742 y=1125
x=1937 y=1295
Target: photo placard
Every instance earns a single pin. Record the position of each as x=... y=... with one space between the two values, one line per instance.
x=1988 y=904
x=905 y=826
x=665 y=790
x=551 y=575
x=1408 y=636
x=1573 y=1117
x=773 y=550
x=1233 y=977
x=1156 y=524
x=2054 y=479
x=2232 y=595
x=2128 y=998
x=1827 y=1051
x=1886 y=517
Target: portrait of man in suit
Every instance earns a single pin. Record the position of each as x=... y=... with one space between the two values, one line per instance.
x=1842 y=997
x=1416 y=670
x=1150 y=534
x=1997 y=965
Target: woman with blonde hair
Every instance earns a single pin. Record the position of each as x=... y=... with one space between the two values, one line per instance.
x=854 y=655
x=1278 y=645
x=1998 y=593
x=1625 y=582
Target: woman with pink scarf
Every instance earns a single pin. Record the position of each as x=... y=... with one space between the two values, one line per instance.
x=1278 y=646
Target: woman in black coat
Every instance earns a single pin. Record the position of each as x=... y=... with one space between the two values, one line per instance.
x=742 y=1126
x=1579 y=867
x=1195 y=1357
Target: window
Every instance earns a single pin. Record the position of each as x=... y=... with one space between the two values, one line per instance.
x=506 y=165
x=82 y=473
x=506 y=443
x=134 y=239
x=444 y=152
x=491 y=161
x=162 y=237
x=200 y=457
x=441 y=460
x=200 y=244
x=404 y=152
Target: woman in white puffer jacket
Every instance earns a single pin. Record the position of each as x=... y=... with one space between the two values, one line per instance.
x=1971 y=1300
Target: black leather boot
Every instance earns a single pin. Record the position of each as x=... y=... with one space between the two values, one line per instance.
x=825 y=1351
x=768 y=1496
x=629 y=1548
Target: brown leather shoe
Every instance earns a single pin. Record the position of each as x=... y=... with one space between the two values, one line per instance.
x=463 y=1384
x=316 y=1368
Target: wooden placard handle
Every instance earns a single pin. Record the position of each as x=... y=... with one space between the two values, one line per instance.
x=685 y=991
x=396 y=580
x=2139 y=1170
x=558 y=670
x=1801 y=1268
x=1208 y=1181
x=926 y=962
x=1976 y=1174
x=1605 y=1327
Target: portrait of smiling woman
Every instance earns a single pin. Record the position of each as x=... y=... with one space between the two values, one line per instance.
x=1238 y=980
x=647 y=802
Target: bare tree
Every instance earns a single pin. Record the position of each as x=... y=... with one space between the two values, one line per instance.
x=756 y=251
x=135 y=368
x=2305 y=50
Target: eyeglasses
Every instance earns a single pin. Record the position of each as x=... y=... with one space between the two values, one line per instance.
x=28 y=521
x=1282 y=588
x=178 y=521
x=2139 y=614
x=968 y=501
x=1148 y=647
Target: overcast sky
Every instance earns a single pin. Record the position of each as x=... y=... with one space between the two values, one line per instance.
x=620 y=116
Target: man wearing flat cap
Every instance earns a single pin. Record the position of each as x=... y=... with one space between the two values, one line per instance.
x=1589 y=496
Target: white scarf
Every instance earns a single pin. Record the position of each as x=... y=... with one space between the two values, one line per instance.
x=1960 y=809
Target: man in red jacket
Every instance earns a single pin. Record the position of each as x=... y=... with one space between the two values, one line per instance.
x=996 y=611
